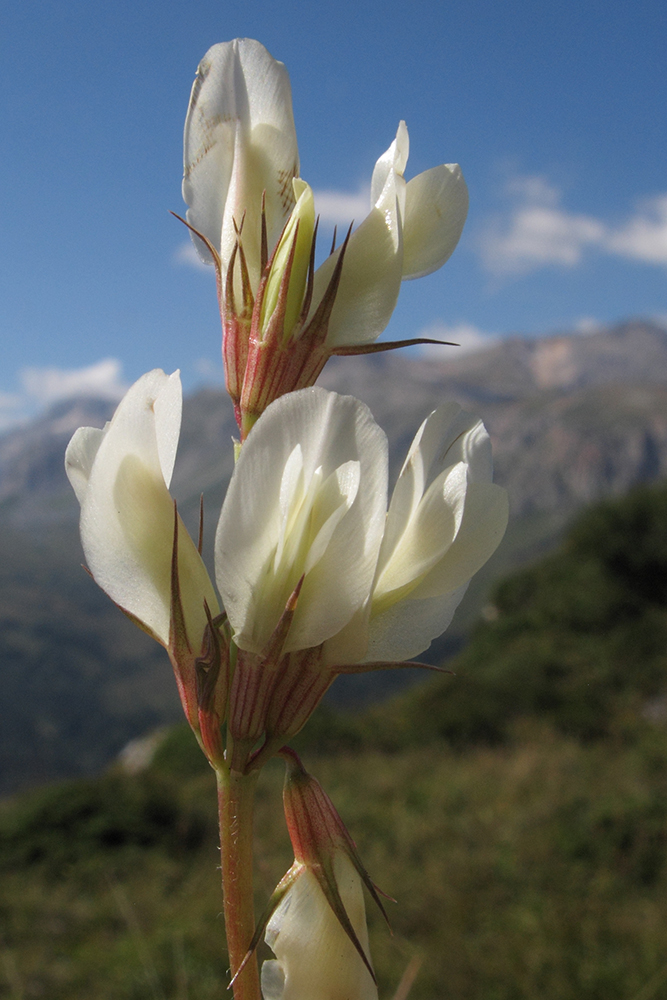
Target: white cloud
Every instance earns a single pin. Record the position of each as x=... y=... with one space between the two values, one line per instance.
x=469 y=338
x=537 y=231
x=340 y=208
x=185 y=255
x=41 y=387
x=644 y=237
x=48 y=385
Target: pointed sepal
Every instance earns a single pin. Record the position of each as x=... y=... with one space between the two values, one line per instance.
x=212 y=684
x=318 y=833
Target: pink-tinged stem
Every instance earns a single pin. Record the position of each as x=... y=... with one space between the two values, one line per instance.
x=236 y=794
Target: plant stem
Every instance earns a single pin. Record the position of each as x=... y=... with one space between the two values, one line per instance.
x=236 y=792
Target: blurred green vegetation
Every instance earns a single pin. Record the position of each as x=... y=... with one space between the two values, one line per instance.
x=517 y=811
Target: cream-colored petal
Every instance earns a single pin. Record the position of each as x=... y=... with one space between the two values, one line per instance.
x=482 y=529
x=315 y=959
x=394 y=159
x=79 y=458
x=239 y=127
x=436 y=206
x=444 y=522
x=407 y=628
x=264 y=503
x=428 y=535
x=127 y=515
x=429 y=446
x=370 y=280
x=168 y=411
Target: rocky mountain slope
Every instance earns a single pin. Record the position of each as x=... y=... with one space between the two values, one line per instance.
x=573 y=418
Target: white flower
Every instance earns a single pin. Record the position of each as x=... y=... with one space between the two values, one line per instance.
x=239 y=145
x=121 y=478
x=240 y=154
x=412 y=230
x=315 y=958
x=305 y=506
x=445 y=519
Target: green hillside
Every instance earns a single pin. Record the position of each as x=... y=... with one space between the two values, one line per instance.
x=516 y=811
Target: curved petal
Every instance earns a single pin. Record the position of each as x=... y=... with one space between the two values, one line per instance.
x=370 y=280
x=428 y=534
x=311 y=475
x=315 y=959
x=79 y=458
x=127 y=514
x=430 y=442
x=436 y=206
x=372 y=270
x=482 y=529
x=445 y=520
x=393 y=160
x=408 y=628
x=239 y=141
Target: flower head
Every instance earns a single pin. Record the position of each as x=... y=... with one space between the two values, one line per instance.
x=136 y=546
x=317 y=577
x=305 y=508
x=254 y=218
x=446 y=518
x=315 y=922
x=240 y=153
x=315 y=959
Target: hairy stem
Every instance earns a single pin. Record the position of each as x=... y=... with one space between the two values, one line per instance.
x=236 y=794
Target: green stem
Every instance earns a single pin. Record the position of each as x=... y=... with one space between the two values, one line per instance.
x=236 y=794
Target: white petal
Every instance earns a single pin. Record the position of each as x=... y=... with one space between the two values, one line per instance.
x=79 y=458
x=373 y=265
x=436 y=206
x=239 y=128
x=315 y=958
x=127 y=515
x=395 y=159
x=429 y=443
x=370 y=280
x=429 y=533
x=408 y=628
x=447 y=437
x=445 y=520
x=482 y=529
x=332 y=431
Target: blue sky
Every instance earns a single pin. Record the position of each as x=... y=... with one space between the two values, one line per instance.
x=556 y=113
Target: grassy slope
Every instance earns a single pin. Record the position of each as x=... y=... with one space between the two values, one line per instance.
x=535 y=870
x=517 y=812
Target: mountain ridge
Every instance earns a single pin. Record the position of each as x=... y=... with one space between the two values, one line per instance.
x=571 y=420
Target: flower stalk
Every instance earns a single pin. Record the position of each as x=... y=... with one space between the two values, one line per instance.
x=319 y=573
x=236 y=793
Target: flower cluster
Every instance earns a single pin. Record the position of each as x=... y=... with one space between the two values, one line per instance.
x=254 y=218
x=319 y=571
x=317 y=576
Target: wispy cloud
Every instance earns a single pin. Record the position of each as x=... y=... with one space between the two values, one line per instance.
x=644 y=236
x=469 y=338
x=41 y=387
x=538 y=231
x=48 y=385
x=586 y=325
x=340 y=208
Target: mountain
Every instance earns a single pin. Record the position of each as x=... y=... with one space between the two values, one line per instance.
x=573 y=418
